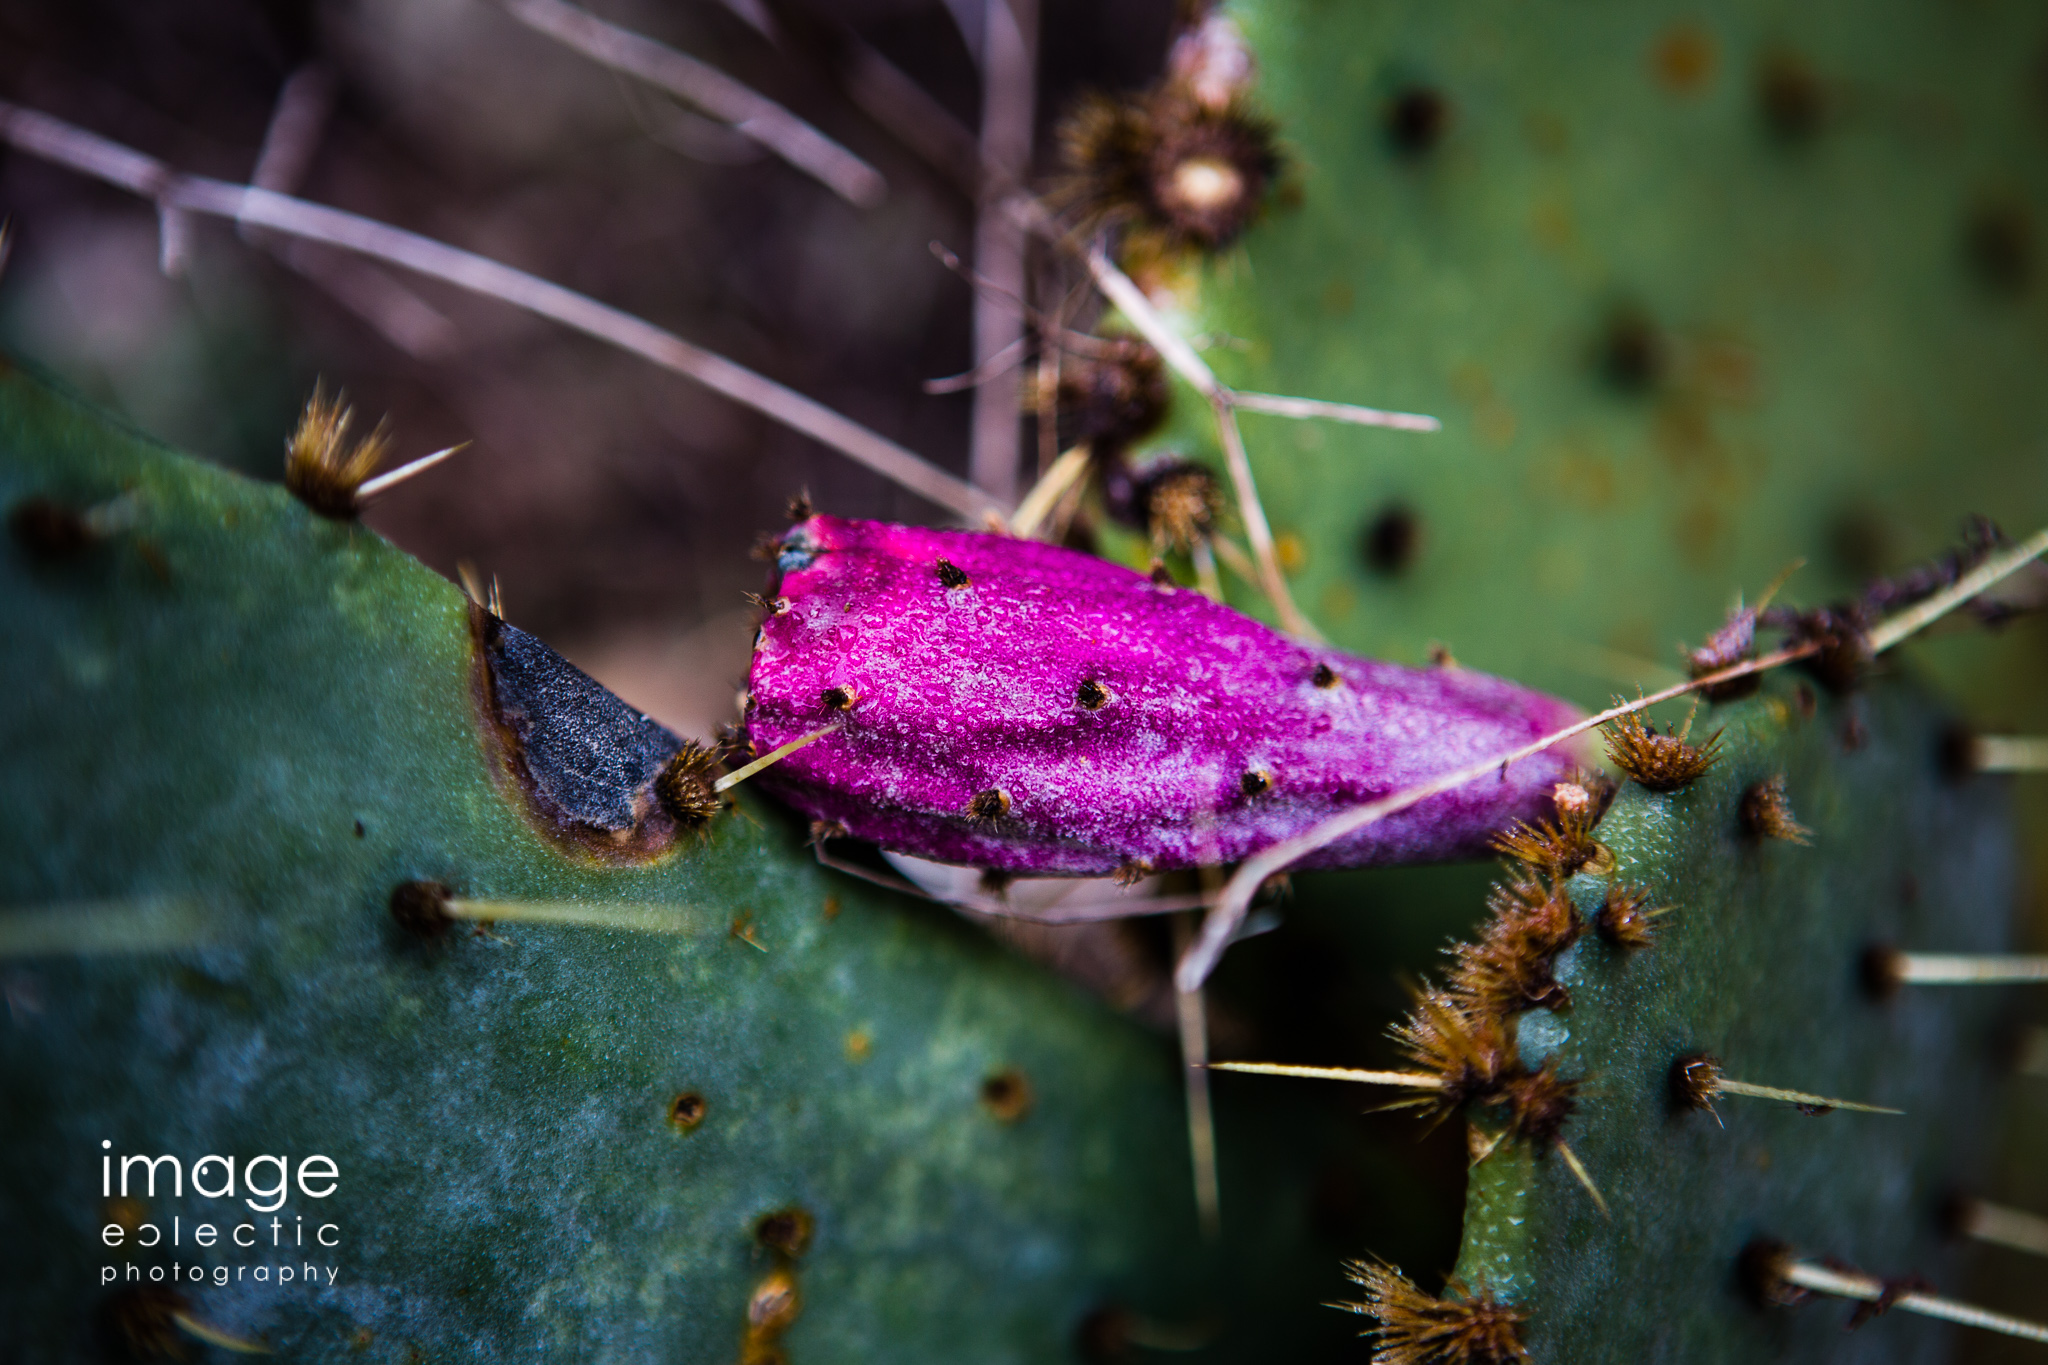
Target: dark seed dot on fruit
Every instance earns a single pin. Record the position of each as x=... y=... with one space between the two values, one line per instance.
x=951 y=574
x=992 y=804
x=1257 y=782
x=1325 y=676
x=1417 y=120
x=1092 y=695
x=838 y=699
x=1391 y=540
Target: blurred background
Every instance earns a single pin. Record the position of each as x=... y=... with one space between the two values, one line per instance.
x=615 y=504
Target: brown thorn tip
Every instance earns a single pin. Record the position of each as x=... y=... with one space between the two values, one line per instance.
x=1766 y=814
x=1695 y=1080
x=685 y=785
x=1627 y=920
x=1663 y=763
x=1465 y=1328
x=321 y=468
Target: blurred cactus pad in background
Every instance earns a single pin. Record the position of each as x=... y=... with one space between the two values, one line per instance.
x=303 y=851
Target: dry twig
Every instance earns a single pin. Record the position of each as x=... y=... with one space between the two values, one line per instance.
x=66 y=144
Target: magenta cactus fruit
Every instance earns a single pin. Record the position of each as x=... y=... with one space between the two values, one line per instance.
x=1015 y=705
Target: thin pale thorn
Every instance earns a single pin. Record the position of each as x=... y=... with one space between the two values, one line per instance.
x=1066 y=471
x=2010 y=754
x=1985 y=575
x=137 y=926
x=1192 y=1016
x=1571 y=1159
x=384 y=483
x=1130 y=300
x=1850 y=1285
x=1961 y=969
x=2014 y=1228
x=213 y=1336
x=773 y=756
x=1275 y=405
x=653 y=919
x=1413 y=1080
x=996 y=364
x=1252 y=873
x=1724 y=1086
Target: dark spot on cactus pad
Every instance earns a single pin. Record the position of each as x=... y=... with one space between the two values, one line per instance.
x=360 y=831
x=1257 y=782
x=838 y=698
x=1626 y=918
x=1112 y=396
x=786 y=1232
x=1007 y=1094
x=989 y=806
x=951 y=576
x=1104 y=1336
x=1791 y=98
x=1766 y=814
x=1956 y=752
x=1694 y=1081
x=1631 y=354
x=1391 y=540
x=1663 y=763
x=49 y=530
x=687 y=1110
x=684 y=786
x=1762 y=1269
x=1325 y=676
x=1881 y=969
x=1091 y=695
x=1998 y=246
x=1467 y=1328
x=1417 y=119
x=421 y=908
x=584 y=761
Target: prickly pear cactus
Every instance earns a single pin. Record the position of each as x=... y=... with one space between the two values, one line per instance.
x=713 y=1106
x=1695 y=294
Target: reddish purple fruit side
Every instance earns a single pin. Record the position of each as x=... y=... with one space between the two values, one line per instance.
x=1014 y=705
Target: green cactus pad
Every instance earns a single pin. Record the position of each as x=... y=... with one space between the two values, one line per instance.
x=233 y=727
x=1760 y=962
